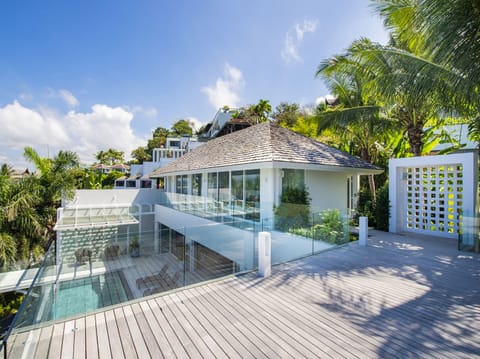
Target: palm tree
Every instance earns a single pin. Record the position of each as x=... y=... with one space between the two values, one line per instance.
x=437 y=43
x=57 y=180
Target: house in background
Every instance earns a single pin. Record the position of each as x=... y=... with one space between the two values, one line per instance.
x=175 y=147
x=246 y=171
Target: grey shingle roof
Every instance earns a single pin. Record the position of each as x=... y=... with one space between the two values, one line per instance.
x=264 y=142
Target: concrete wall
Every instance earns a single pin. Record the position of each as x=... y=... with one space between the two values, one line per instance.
x=327 y=189
x=107 y=197
x=425 y=199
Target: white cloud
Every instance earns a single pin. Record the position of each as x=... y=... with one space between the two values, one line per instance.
x=62 y=94
x=22 y=127
x=294 y=38
x=150 y=112
x=226 y=90
x=68 y=97
x=85 y=133
x=102 y=128
x=195 y=123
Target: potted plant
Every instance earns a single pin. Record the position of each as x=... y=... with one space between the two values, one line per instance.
x=135 y=247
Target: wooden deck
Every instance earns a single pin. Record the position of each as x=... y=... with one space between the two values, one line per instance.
x=399 y=297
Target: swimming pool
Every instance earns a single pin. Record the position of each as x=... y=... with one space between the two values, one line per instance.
x=90 y=293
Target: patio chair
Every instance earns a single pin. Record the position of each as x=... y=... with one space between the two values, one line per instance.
x=149 y=281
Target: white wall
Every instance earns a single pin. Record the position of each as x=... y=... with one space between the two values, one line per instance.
x=398 y=189
x=267 y=192
x=327 y=189
x=105 y=197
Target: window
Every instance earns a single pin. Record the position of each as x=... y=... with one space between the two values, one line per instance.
x=237 y=191
x=120 y=183
x=224 y=189
x=146 y=184
x=293 y=179
x=212 y=191
x=181 y=184
x=132 y=184
x=252 y=195
x=197 y=184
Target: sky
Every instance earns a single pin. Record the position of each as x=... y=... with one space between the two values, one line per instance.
x=88 y=75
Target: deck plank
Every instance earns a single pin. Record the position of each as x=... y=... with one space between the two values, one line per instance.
x=160 y=337
x=104 y=350
x=56 y=342
x=43 y=344
x=91 y=338
x=113 y=335
x=124 y=333
x=175 y=343
x=139 y=342
x=79 y=351
x=146 y=331
x=68 y=340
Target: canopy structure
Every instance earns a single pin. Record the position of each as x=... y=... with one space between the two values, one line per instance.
x=93 y=217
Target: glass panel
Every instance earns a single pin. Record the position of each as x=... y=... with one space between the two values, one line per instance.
x=237 y=194
x=197 y=184
x=224 y=190
x=293 y=178
x=178 y=184
x=212 y=186
x=252 y=195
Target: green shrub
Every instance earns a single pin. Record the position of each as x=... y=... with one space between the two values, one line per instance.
x=331 y=228
x=382 y=208
x=365 y=206
x=294 y=209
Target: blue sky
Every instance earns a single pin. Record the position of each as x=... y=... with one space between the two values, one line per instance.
x=89 y=75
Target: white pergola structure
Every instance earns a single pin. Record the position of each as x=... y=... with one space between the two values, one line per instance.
x=434 y=195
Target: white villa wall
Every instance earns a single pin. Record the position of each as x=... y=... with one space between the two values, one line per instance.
x=107 y=197
x=234 y=243
x=327 y=189
x=268 y=195
x=419 y=203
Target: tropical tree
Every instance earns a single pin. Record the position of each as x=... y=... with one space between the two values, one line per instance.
x=110 y=156
x=56 y=180
x=286 y=114
x=436 y=41
x=254 y=114
x=140 y=154
x=182 y=128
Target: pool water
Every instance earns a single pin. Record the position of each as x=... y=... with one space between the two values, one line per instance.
x=88 y=294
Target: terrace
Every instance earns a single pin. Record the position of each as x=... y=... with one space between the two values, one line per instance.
x=398 y=297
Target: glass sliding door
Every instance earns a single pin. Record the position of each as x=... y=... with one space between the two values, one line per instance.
x=238 y=199
x=252 y=195
x=197 y=184
x=224 y=191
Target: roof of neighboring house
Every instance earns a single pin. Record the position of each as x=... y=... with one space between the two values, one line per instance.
x=265 y=142
x=120 y=166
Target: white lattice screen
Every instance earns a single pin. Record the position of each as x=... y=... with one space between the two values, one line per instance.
x=434 y=198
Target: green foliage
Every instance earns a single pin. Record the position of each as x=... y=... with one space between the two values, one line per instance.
x=331 y=228
x=108 y=180
x=382 y=208
x=366 y=206
x=9 y=303
x=141 y=154
x=294 y=209
x=286 y=114
x=110 y=156
x=182 y=128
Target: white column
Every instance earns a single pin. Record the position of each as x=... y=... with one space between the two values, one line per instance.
x=363 y=231
x=264 y=254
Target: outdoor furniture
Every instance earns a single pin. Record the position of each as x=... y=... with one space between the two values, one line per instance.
x=83 y=254
x=149 y=281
